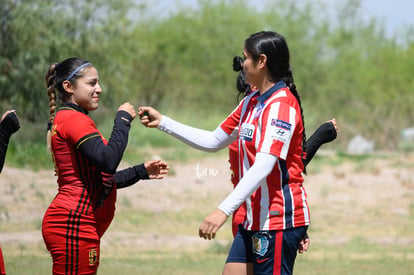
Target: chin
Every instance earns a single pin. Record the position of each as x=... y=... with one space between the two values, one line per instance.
x=93 y=107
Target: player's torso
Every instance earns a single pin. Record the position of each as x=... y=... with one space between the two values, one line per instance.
x=272 y=126
x=78 y=179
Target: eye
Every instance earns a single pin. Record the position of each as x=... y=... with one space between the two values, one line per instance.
x=93 y=82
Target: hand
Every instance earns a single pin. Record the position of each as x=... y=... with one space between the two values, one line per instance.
x=156 y=169
x=127 y=107
x=326 y=132
x=333 y=121
x=304 y=245
x=10 y=122
x=149 y=116
x=211 y=224
x=6 y=113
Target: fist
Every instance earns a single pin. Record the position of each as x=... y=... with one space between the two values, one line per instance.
x=129 y=108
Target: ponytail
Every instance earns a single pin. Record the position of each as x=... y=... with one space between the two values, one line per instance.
x=51 y=92
x=292 y=87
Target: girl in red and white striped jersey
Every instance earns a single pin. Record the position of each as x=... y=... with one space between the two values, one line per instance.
x=271 y=141
x=86 y=167
x=325 y=133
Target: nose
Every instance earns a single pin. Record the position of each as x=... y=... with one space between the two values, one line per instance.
x=98 y=88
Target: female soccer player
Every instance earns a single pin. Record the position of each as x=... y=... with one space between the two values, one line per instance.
x=86 y=166
x=325 y=133
x=271 y=141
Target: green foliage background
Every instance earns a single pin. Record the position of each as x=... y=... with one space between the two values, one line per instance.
x=344 y=67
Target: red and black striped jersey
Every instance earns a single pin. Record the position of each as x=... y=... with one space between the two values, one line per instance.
x=79 y=180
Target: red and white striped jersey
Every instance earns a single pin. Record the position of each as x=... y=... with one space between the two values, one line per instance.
x=272 y=123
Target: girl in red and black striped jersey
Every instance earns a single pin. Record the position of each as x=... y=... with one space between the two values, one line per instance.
x=86 y=167
x=9 y=124
x=271 y=142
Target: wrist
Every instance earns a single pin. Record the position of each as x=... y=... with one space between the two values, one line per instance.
x=123 y=116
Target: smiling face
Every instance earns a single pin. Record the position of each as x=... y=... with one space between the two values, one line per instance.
x=86 y=89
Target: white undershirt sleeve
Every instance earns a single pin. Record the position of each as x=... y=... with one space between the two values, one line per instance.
x=255 y=176
x=202 y=140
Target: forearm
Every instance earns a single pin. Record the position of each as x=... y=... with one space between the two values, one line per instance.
x=325 y=133
x=255 y=176
x=197 y=138
x=107 y=157
x=130 y=176
x=4 y=142
x=8 y=126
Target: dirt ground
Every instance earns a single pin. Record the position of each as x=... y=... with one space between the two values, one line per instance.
x=344 y=194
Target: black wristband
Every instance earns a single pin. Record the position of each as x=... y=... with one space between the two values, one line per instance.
x=325 y=133
x=10 y=124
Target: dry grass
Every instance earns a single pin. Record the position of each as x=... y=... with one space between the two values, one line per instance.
x=362 y=218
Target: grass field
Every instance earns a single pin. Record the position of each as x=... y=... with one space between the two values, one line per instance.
x=362 y=211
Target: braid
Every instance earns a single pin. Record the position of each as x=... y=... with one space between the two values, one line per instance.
x=51 y=92
x=289 y=82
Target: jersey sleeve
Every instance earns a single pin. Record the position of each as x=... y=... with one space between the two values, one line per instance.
x=232 y=121
x=279 y=121
x=85 y=129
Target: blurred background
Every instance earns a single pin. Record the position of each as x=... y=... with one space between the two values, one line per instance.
x=352 y=60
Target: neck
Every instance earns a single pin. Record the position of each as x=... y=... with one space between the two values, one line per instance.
x=266 y=85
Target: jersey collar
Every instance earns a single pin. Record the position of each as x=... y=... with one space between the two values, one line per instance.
x=278 y=85
x=72 y=106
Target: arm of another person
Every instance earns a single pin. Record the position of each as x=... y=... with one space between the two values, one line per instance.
x=208 y=141
x=324 y=134
x=152 y=169
x=9 y=125
x=327 y=132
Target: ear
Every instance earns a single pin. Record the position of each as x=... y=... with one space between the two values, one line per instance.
x=261 y=62
x=68 y=86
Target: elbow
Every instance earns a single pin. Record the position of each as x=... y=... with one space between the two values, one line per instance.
x=108 y=167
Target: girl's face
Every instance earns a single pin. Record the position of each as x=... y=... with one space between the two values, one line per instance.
x=250 y=69
x=87 y=90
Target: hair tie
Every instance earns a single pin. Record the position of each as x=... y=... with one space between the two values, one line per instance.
x=49 y=125
x=77 y=70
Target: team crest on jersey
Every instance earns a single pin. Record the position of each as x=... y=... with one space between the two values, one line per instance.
x=246 y=132
x=259 y=110
x=260 y=244
x=282 y=129
x=54 y=129
x=93 y=256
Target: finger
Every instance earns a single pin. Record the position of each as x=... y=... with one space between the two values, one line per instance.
x=201 y=234
x=203 y=230
x=210 y=232
x=141 y=110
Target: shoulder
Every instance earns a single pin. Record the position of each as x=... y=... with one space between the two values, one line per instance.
x=74 y=124
x=283 y=96
x=73 y=117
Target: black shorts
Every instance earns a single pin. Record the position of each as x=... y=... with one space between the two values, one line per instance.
x=270 y=251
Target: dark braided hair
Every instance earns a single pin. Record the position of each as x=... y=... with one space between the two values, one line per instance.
x=274 y=46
